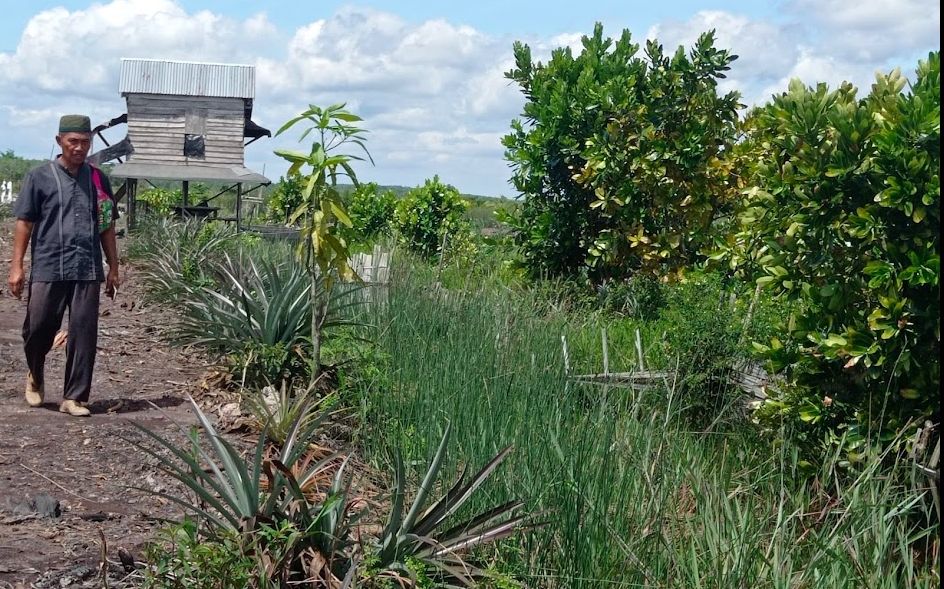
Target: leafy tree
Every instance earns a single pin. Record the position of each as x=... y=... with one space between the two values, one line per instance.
x=284 y=199
x=844 y=218
x=160 y=200
x=321 y=212
x=621 y=158
x=429 y=212
x=14 y=167
x=371 y=211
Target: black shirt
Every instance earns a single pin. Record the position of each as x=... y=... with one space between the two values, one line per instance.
x=64 y=211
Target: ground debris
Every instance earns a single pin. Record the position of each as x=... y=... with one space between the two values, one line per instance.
x=42 y=505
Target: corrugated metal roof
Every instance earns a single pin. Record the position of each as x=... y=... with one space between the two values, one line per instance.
x=196 y=172
x=158 y=76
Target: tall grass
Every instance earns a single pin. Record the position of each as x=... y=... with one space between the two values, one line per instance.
x=632 y=497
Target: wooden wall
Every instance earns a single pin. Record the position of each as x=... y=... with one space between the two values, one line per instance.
x=157 y=125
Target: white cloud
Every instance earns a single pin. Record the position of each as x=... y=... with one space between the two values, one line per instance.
x=818 y=41
x=763 y=48
x=871 y=30
x=68 y=53
x=30 y=117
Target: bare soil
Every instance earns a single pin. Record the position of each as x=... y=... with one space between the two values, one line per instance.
x=83 y=462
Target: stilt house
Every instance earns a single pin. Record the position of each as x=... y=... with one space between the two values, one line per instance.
x=188 y=122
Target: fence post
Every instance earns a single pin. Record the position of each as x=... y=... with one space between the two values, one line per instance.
x=639 y=353
x=566 y=355
x=606 y=353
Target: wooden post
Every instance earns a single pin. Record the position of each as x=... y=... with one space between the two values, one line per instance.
x=442 y=255
x=606 y=353
x=239 y=205
x=750 y=311
x=185 y=194
x=639 y=354
x=566 y=355
x=130 y=185
x=935 y=459
x=132 y=203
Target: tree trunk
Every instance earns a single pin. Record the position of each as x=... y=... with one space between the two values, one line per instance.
x=317 y=314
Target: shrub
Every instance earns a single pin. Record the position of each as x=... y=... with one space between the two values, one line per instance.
x=621 y=159
x=427 y=213
x=177 y=256
x=258 y=508
x=159 y=200
x=641 y=297
x=284 y=199
x=256 y=313
x=702 y=335
x=844 y=219
x=371 y=212
x=180 y=558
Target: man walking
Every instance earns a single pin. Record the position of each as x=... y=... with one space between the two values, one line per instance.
x=65 y=212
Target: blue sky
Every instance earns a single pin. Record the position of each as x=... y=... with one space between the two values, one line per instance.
x=427 y=76
x=497 y=17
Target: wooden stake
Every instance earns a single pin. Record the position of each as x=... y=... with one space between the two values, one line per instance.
x=935 y=494
x=442 y=255
x=606 y=352
x=639 y=354
x=750 y=311
x=566 y=355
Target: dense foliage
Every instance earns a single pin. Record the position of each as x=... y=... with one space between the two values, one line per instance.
x=336 y=144
x=159 y=201
x=371 y=212
x=284 y=199
x=621 y=158
x=14 y=167
x=843 y=217
x=428 y=213
x=823 y=215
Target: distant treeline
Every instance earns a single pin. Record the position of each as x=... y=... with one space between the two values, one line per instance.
x=400 y=192
x=14 y=167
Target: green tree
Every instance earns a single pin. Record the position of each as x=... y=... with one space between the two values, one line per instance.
x=621 y=158
x=371 y=211
x=161 y=201
x=284 y=199
x=321 y=213
x=844 y=218
x=14 y=167
x=429 y=212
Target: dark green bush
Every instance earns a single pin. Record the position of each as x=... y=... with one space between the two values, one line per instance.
x=371 y=212
x=621 y=158
x=427 y=213
x=284 y=199
x=640 y=297
x=844 y=221
x=702 y=330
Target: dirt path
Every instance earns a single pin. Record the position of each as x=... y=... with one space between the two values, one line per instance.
x=83 y=463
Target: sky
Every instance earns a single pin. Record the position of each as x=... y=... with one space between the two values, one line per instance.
x=427 y=77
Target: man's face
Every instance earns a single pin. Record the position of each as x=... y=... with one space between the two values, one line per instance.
x=75 y=146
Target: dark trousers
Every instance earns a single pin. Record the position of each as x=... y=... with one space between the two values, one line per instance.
x=47 y=302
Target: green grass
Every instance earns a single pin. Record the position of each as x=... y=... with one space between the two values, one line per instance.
x=633 y=492
x=632 y=497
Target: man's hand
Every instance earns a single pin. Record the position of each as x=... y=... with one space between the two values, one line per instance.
x=112 y=281
x=16 y=280
x=21 y=237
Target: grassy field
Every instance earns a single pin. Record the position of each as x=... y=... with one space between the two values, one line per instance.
x=673 y=486
x=631 y=494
